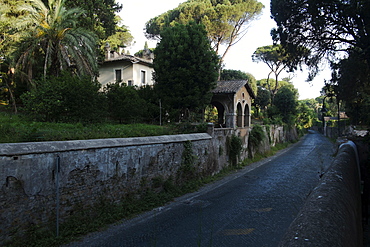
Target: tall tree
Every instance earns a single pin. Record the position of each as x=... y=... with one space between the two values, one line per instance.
x=351 y=83
x=225 y=21
x=286 y=101
x=51 y=34
x=278 y=59
x=262 y=100
x=185 y=69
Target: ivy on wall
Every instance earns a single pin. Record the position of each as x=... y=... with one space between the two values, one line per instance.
x=234 y=147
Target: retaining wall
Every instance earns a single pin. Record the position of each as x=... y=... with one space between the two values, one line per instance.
x=331 y=216
x=93 y=169
x=90 y=169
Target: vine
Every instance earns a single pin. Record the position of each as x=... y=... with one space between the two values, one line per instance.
x=187 y=169
x=234 y=147
x=256 y=136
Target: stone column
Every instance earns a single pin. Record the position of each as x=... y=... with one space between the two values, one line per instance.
x=230 y=120
x=210 y=129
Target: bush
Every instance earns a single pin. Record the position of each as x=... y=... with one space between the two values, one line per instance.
x=65 y=99
x=256 y=136
x=234 y=147
x=124 y=102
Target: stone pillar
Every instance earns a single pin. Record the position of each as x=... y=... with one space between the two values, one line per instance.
x=230 y=120
x=210 y=129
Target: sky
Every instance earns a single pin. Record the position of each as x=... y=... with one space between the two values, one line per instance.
x=135 y=13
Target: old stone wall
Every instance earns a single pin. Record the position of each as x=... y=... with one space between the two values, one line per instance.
x=273 y=134
x=90 y=170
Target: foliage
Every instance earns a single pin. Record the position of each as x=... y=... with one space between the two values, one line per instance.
x=234 y=147
x=305 y=116
x=225 y=21
x=231 y=75
x=7 y=85
x=325 y=27
x=65 y=98
x=15 y=128
x=282 y=108
x=263 y=99
x=51 y=33
x=270 y=84
x=211 y=114
x=351 y=83
x=185 y=70
x=256 y=136
x=150 y=95
x=187 y=169
x=125 y=104
x=8 y=17
x=99 y=16
x=278 y=59
x=121 y=38
x=286 y=102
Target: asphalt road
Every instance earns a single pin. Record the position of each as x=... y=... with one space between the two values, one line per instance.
x=253 y=207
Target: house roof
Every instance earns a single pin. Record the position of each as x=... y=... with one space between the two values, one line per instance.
x=130 y=58
x=232 y=87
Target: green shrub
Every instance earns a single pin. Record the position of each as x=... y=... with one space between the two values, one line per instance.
x=124 y=102
x=234 y=147
x=256 y=136
x=65 y=99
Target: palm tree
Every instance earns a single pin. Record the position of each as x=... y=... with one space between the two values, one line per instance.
x=50 y=37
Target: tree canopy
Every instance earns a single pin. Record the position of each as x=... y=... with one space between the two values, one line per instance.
x=278 y=60
x=100 y=15
x=325 y=27
x=185 y=69
x=225 y=21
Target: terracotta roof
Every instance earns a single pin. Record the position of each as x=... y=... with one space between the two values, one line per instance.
x=226 y=87
x=130 y=58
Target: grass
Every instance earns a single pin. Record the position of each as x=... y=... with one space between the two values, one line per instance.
x=15 y=128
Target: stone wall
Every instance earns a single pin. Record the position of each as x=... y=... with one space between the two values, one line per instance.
x=93 y=169
x=90 y=169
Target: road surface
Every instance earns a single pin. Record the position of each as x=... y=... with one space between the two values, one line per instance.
x=253 y=207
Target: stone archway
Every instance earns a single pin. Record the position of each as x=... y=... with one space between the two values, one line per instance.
x=220 y=113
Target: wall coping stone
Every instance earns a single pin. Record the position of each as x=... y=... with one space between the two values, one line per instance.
x=14 y=149
x=331 y=215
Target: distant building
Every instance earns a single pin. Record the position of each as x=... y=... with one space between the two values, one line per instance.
x=133 y=71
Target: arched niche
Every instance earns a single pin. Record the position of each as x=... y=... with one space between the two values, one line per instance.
x=239 y=115
x=247 y=116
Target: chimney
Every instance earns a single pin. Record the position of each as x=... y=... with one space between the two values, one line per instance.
x=107 y=51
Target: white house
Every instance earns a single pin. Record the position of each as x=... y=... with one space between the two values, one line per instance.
x=133 y=71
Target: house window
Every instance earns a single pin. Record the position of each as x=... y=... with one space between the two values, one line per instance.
x=130 y=83
x=143 y=77
x=118 y=74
